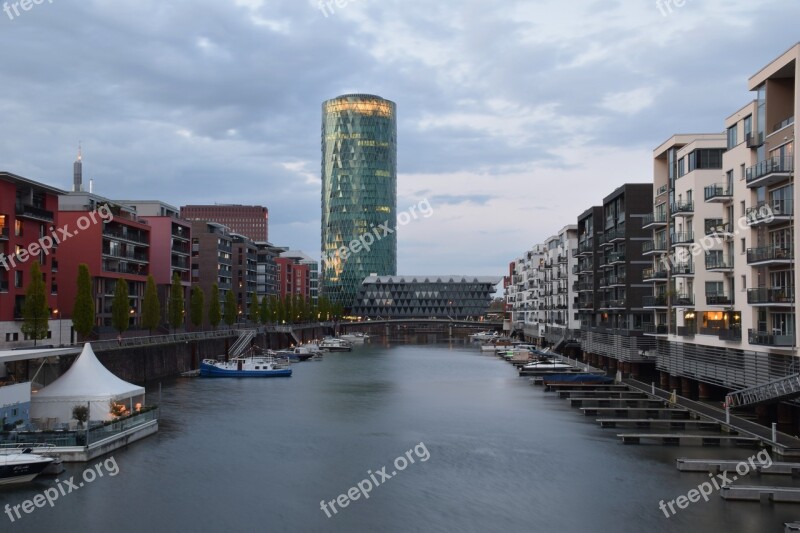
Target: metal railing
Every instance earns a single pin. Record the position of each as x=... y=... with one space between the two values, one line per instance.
x=769 y=166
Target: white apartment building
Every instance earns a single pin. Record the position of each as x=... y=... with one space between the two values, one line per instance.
x=561 y=324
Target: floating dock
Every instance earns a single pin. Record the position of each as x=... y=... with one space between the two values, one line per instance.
x=649 y=412
x=615 y=402
x=681 y=439
x=587 y=387
x=671 y=423
x=600 y=394
x=722 y=465
x=752 y=493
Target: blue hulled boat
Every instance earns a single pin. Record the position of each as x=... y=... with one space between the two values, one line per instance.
x=576 y=377
x=245 y=367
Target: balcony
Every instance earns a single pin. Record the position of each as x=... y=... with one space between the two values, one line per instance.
x=655 y=329
x=719 y=193
x=654 y=220
x=651 y=274
x=686 y=331
x=769 y=171
x=733 y=334
x=683 y=270
x=585 y=287
x=771 y=296
x=774 y=212
x=680 y=209
x=586 y=248
x=616 y=304
x=683 y=300
x=718 y=299
x=586 y=266
x=616 y=257
x=682 y=239
x=717 y=227
x=575 y=269
x=763 y=338
x=616 y=280
x=562 y=258
x=658 y=246
x=125 y=235
x=770 y=255
x=659 y=300
x=36 y=213
x=614 y=235
x=718 y=263
x=754 y=140
x=788 y=121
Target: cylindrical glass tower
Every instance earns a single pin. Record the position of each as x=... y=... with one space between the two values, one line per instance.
x=359 y=193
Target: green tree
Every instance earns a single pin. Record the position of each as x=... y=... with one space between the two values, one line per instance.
x=177 y=305
x=83 y=310
x=214 y=312
x=255 y=310
x=35 y=311
x=196 y=306
x=121 y=307
x=264 y=310
x=151 y=308
x=230 y=311
x=274 y=309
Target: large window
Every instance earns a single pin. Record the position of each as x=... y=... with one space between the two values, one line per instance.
x=705 y=158
x=732 y=139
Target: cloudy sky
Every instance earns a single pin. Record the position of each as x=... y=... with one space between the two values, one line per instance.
x=513 y=116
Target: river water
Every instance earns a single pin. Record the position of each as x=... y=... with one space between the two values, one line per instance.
x=491 y=453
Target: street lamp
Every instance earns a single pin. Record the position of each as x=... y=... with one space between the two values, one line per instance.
x=58 y=318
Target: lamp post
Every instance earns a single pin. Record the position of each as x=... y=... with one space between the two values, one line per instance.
x=58 y=318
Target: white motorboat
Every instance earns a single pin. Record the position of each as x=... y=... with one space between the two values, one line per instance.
x=355 y=338
x=547 y=365
x=333 y=344
x=484 y=335
x=21 y=466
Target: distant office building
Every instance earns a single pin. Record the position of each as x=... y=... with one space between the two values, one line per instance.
x=425 y=296
x=249 y=220
x=310 y=284
x=359 y=193
x=28 y=210
x=267 y=269
x=212 y=250
x=170 y=247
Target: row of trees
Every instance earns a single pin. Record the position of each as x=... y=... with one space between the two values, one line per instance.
x=269 y=310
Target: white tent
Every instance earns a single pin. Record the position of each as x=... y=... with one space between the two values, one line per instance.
x=86 y=382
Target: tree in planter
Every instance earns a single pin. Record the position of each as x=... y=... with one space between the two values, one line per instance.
x=264 y=311
x=230 y=309
x=81 y=414
x=196 y=306
x=121 y=307
x=151 y=311
x=214 y=313
x=83 y=310
x=176 y=303
x=35 y=312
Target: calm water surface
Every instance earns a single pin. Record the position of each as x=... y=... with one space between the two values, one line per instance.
x=260 y=455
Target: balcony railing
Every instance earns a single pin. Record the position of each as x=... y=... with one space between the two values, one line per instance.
x=716 y=298
x=679 y=208
x=38 y=213
x=718 y=262
x=659 y=300
x=717 y=227
x=127 y=236
x=682 y=238
x=616 y=303
x=783 y=123
x=769 y=253
x=653 y=219
x=770 y=295
x=768 y=167
x=754 y=140
x=718 y=192
x=683 y=300
x=616 y=257
x=655 y=329
x=730 y=334
x=763 y=212
x=764 y=338
x=683 y=269
x=686 y=331
x=651 y=273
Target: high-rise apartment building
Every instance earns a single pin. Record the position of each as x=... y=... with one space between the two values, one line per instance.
x=359 y=193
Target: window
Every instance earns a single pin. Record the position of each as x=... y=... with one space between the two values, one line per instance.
x=744 y=247
x=18 y=279
x=732 y=141
x=744 y=283
x=11 y=337
x=681 y=167
x=744 y=210
x=748 y=126
x=18 y=228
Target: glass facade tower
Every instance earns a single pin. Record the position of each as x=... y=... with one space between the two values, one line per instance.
x=359 y=193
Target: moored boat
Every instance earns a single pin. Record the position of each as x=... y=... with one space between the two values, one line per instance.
x=251 y=366
x=355 y=338
x=576 y=377
x=333 y=344
x=21 y=466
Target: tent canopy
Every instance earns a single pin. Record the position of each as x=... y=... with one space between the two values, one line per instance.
x=86 y=381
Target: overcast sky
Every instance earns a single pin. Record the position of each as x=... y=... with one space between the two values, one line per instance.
x=513 y=116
